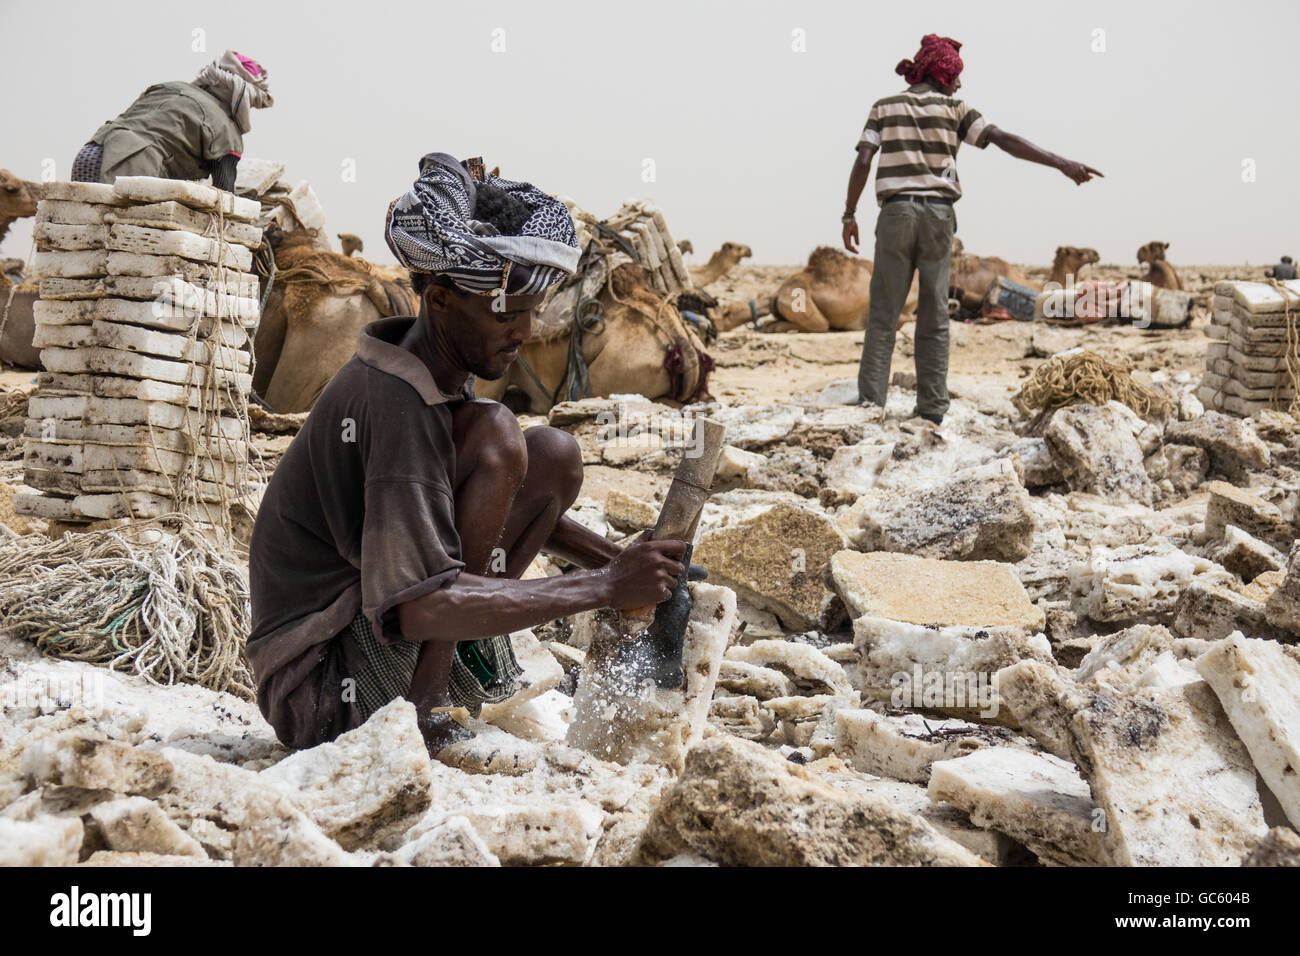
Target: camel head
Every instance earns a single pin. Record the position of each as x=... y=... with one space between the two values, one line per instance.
x=958 y=247
x=733 y=252
x=685 y=247
x=351 y=243
x=1072 y=258
x=17 y=199
x=1152 y=252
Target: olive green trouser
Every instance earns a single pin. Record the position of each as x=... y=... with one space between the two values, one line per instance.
x=910 y=237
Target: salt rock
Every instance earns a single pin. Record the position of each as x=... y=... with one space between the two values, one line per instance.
x=371 y=781
x=1174 y=782
x=453 y=842
x=106 y=858
x=209 y=799
x=1166 y=672
x=538 y=835
x=808 y=669
x=755 y=624
x=1097 y=451
x=1210 y=612
x=1262 y=588
x=45 y=841
x=989 y=845
x=1258 y=684
x=742 y=716
x=1034 y=464
x=1231 y=443
x=774 y=552
x=617 y=719
x=1229 y=505
x=1279 y=847
x=541 y=673
x=629 y=513
x=1138 y=582
x=917 y=590
x=277 y=833
x=1036 y=799
x=1282 y=608
x=740 y=677
x=800 y=717
x=543 y=719
x=904 y=746
x=1177 y=470
x=1119 y=660
x=788 y=468
x=491 y=750
x=948 y=670
x=734 y=463
x=982 y=513
x=853 y=470
x=1245 y=555
x=1041 y=696
x=738 y=804
x=137 y=825
x=90 y=761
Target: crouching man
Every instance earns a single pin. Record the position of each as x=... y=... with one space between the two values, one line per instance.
x=387 y=551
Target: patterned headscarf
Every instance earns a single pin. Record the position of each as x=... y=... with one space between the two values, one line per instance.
x=937 y=60
x=431 y=229
x=239 y=82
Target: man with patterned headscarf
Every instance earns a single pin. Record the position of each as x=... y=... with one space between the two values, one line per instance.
x=181 y=130
x=387 y=551
x=917 y=133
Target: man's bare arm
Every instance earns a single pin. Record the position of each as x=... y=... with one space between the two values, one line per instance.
x=578 y=544
x=1021 y=148
x=474 y=607
x=858 y=176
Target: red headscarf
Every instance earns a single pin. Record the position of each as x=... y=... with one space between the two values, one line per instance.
x=936 y=60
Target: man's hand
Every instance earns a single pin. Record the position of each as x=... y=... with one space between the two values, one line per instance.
x=851 y=239
x=644 y=573
x=1077 y=171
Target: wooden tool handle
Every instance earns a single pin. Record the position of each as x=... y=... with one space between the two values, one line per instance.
x=686 y=496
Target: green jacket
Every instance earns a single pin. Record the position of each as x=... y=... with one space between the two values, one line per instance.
x=173 y=131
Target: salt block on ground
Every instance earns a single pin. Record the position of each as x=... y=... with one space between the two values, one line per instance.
x=1041 y=696
x=1097 y=451
x=739 y=804
x=277 y=833
x=103 y=858
x=541 y=673
x=1120 y=659
x=1280 y=847
x=1282 y=607
x=90 y=761
x=453 y=842
x=616 y=720
x=137 y=825
x=774 y=551
x=1246 y=555
x=809 y=670
x=760 y=682
x=1232 y=444
x=904 y=746
x=947 y=670
x=1258 y=684
x=367 y=784
x=980 y=513
x=1037 y=799
x=1229 y=505
x=45 y=841
x=491 y=750
x=1210 y=612
x=917 y=590
x=742 y=716
x=1175 y=784
x=1138 y=582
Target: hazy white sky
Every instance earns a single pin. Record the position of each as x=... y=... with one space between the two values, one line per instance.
x=751 y=139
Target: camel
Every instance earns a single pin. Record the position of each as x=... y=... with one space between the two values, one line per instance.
x=685 y=247
x=317 y=307
x=1069 y=261
x=643 y=338
x=1160 y=274
x=351 y=243
x=19 y=325
x=720 y=263
x=974 y=274
x=17 y=200
x=832 y=292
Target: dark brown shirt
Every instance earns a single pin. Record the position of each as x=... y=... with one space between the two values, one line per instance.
x=358 y=514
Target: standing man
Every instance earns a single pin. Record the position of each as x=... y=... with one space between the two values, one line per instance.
x=387 y=551
x=917 y=133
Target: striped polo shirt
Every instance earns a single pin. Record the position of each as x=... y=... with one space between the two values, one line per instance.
x=917 y=133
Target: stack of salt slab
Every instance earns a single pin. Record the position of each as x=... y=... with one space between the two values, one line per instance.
x=147 y=300
x=1246 y=361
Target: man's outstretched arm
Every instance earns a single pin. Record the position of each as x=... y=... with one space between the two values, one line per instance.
x=858 y=176
x=1021 y=148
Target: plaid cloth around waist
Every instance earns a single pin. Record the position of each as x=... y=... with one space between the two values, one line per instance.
x=482 y=672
